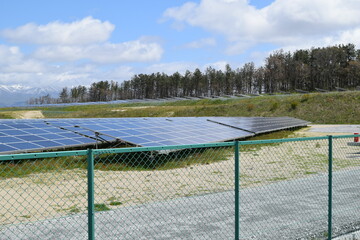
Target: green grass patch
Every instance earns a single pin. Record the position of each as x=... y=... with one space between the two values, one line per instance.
x=72 y=210
x=5 y=116
x=115 y=203
x=100 y=207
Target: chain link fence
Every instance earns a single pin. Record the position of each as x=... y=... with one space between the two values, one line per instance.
x=163 y=193
x=305 y=188
x=41 y=194
x=346 y=186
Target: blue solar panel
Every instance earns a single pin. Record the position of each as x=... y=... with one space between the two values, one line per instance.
x=36 y=134
x=7 y=139
x=12 y=132
x=6 y=148
x=30 y=138
x=24 y=145
x=69 y=142
x=47 y=144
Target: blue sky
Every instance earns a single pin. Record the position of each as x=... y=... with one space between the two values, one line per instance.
x=67 y=43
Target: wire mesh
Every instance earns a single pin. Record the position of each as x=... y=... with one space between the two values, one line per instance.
x=184 y=192
x=284 y=190
x=346 y=186
x=178 y=194
x=43 y=198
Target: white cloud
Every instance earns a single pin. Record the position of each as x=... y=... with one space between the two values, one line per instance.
x=70 y=54
x=82 y=32
x=133 y=51
x=120 y=72
x=204 y=42
x=86 y=39
x=28 y=66
x=10 y=54
x=13 y=60
x=284 y=22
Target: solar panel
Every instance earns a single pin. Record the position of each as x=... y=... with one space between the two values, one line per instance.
x=156 y=131
x=34 y=135
x=23 y=135
x=259 y=125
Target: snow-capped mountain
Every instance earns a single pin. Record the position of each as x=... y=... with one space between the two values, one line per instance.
x=17 y=95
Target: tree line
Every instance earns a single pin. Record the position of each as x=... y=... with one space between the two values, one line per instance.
x=325 y=68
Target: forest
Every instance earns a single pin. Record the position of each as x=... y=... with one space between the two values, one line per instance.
x=325 y=68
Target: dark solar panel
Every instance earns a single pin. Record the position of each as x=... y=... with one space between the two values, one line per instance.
x=153 y=131
x=259 y=125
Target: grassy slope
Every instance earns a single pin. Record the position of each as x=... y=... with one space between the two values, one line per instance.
x=330 y=108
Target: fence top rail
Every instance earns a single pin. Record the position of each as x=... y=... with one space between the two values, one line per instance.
x=346 y=136
x=281 y=140
x=42 y=155
x=295 y=139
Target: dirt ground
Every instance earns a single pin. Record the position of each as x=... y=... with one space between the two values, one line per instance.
x=24 y=114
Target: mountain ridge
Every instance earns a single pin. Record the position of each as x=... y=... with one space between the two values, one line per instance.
x=18 y=95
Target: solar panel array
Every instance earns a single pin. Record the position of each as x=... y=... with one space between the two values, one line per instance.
x=156 y=131
x=39 y=134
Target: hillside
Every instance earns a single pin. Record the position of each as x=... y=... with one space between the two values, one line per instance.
x=320 y=108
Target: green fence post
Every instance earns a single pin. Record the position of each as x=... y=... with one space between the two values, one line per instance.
x=90 y=175
x=237 y=191
x=330 y=188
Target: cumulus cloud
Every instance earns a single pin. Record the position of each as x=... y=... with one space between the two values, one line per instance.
x=66 y=75
x=85 y=31
x=133 y=51
x=13 y=60
x=84 y=39
x=283 y=22
x=10 y=54
x=74 y=53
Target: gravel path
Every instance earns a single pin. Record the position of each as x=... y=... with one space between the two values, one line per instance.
x=292 y=209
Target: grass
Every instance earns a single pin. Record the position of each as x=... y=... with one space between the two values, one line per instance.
x=5 y=116
x=320 y=108
x=100 y=207
x=115 y=203
x=22 y=168
x=72 y=210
